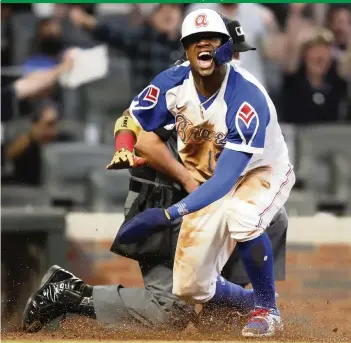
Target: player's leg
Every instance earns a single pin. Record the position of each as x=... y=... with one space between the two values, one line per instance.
x=234 y=270
x=62 y=293
x=213 y=315
x=254 y=203
x=203 y=247
x=153 y=307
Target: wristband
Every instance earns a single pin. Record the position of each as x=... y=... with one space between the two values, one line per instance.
x=126 y=123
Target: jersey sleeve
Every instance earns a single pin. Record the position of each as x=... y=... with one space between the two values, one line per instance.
x=247 y=120
x=149 y=108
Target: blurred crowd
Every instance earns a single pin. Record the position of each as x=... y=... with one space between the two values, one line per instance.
x=303 y=58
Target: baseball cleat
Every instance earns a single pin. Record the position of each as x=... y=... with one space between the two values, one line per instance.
x=263 y=323
x=59 y=291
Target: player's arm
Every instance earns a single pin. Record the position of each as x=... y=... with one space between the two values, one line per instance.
x=148 y=111
x=158 y=156
x=229 y=167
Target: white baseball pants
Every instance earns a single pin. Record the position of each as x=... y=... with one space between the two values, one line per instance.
x=208 y=237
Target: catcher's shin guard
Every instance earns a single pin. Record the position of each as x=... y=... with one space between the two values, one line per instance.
x=60 y=292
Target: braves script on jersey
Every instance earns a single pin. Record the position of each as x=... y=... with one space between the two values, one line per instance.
x=241 y=117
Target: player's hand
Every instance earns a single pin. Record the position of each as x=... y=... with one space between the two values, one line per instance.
x=124 y=159
x=143 y=225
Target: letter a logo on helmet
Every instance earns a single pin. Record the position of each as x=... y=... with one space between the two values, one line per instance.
x=201 y=20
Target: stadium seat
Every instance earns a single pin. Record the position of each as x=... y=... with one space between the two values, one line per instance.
x=13 y=128
x=73 y=128
x=66 y=169
x=22 y=30
x=23 y=196
x=325 y=162
x=301 y=203
x=108 y=190
x=109 y=95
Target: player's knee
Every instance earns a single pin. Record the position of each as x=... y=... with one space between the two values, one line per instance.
x=242 y=218
x=196 y=293
x=194 y=296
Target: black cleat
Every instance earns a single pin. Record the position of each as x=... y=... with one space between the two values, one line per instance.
x=59 y=292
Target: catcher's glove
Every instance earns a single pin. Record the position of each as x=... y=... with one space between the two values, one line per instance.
x=124 y=159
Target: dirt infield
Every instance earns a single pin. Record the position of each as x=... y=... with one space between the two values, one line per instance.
x=312 y=321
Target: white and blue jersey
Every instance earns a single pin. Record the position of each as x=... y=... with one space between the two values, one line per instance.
x=240 y=117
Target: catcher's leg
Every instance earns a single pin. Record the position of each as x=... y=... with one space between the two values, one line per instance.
x=153 y=307
x=59 y=293
x=63 y=294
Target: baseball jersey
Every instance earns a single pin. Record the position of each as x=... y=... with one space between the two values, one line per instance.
x=241 y=117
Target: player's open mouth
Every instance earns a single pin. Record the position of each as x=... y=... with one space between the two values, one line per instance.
x=204 y=59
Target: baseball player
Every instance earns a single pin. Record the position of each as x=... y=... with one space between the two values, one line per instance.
x=230 y=139
x=155 y=305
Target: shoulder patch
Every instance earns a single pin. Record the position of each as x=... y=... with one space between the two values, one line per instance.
x=147 y=99
x=152 y=93
x=247 y=122
x=246 y=113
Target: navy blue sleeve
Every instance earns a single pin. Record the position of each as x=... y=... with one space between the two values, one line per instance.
x=229 y=167
x=149 y=108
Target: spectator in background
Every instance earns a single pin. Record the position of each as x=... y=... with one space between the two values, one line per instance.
x=313 y=90
x=339 y=22
x=48 y=46
x=151 y=47
x=25 y=150
x=32 y=85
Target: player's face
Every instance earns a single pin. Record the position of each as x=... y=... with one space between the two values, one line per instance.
x=200 y=52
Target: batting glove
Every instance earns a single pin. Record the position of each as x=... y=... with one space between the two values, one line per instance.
x=124 y=159
x=143 y=225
